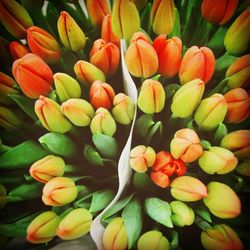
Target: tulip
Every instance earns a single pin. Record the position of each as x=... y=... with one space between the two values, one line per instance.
x=238 y=142
x=217 y=160
x=238 y=103
x=211 y=112
x=18 y=50
x=243 y=168
x=222 y=201
x=3 y=196
x=221 y=237
x=197 y=63
x=105 y=56
x=141 y=58
x=163 y=16
x=182 y=215
x=153 y=240
x=237 y=37
x=187 y=98
x=122 y=11
x=59 y=191
x=218 y=12
x=43 y=44
x=239 y=73
x=103 y=122
x=101 y=95
x=124 y=109
x=33 y=75
x=75 y=224
x=87 y=73
x=66 y=87
x=151 y=97
x=9 y=119
x=43 y=228
x=115 y=235
x=50 y=115
x=71 y=35
x=47 y=168
x=188 y=188
x=78 y=111
x=186 y=145
x=14 y=18
x=169 y=55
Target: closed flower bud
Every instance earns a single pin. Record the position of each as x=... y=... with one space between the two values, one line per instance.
x=169 y=55
x=87 y=73
x=186 y=145
x=101 y=95
x=9 y=119
x=151 y=97
x=43 y=228
x=103 y=122
x=66 y=87
x=141 y=58
x=237 y=37
x=75 y=224
x=211 y=112
x=124 y=109
x=243 y=168
x=222 y=201
x=197 y=63
x=187 y=98
x=238 y=103
x=153 y=240
x=43 y=44
x=221 y=237
x=3 y=196
x=78 y=111
x=59 y=191
x=115 y=235
x=14 y=18
x=188 y=188
x=33 y=75
x=18 y=50
x=71 y=35
x=217 y=160
x=47 y=168
x=50 y=115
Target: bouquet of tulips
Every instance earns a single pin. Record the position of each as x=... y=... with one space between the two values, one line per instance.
x=125 y=119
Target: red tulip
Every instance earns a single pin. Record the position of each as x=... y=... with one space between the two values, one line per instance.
x=18 y=50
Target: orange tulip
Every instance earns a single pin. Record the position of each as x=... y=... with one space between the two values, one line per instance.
x=18 y=50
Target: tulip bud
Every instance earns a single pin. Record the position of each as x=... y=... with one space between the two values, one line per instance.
x=124 y=109
x=211 y=112
x=186 y=145
x=151 y=97
x=221 y=237
x=188 y=188
x=182 y=215
x=14 y=18
x=243 y=168
x=47 y=168
x=141 y=58
x=222 y=201
x=18 y=50
x=66 y=87
x=153 y=240
x=103 y=122
x=59 y=191
x=197 y=63
x=78 y=111
x=101 y=95
x=71 y=35
x=9 y=119
x=237 y=37
x=43 y=44
x=115 y=235
x=3 y=196
x=75 y=224
x=43 y=228
x=239 y=73
x=50 y=115
x=238 y=103
x=169 y=55
x=218 y=12
x=187 y=98
x=238 y=142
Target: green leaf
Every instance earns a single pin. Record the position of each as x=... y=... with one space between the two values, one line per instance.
x=174 y=243
x=177 y=25
x=170 y=90
x=204 y=214
x=221 y=132
x=143 y=124
x=92 y=156
x=205 y=144
x=155 y=132
x=223 y=62
x=145 y=18
x=159 y=211
x=142 y=182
